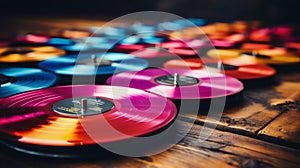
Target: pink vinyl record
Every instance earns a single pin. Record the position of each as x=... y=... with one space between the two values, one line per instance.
x=67 y=115
x=179 y=84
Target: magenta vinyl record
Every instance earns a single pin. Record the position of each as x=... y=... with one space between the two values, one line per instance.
x=60 y=116
x=179 y=84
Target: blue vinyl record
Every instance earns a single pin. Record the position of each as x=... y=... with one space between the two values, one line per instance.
x=18 y=80
x=91 y=44
x=94 y=64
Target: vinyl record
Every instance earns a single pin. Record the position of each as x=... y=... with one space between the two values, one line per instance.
x=28 y=54
x=93 y=64
x=275 y=56
x=54 y=118
x=90 y=44
x=179 y=84
x=187 y=47
x=228 y=67
x=152 y=52
x=17 y=80
x=43 y=40
x=76 y=33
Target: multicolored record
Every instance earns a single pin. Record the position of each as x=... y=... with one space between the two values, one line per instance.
x=93 y=64
x=179 y=84
x=274 y=56
x=17 y=80
x=228 y=67
x=58 y=118
x=28 y=54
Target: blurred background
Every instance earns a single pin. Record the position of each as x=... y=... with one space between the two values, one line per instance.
x=271 y=11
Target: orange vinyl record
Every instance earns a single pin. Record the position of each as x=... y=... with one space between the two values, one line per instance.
x=28 y=54
x=229 y=67
x=274 y=56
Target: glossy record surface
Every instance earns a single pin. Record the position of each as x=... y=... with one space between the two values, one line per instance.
x=68 y=65
x=29 y=119
x=210 y=85
x=25 y=79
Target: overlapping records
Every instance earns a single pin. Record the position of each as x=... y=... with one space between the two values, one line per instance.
x=243 y=71
x=198 y=65
x=179 y=84
x=50 y=118
x=28 y=54
x=93 y=64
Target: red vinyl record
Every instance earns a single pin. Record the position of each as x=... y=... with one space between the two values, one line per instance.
x=229 y=67
x=59 y=116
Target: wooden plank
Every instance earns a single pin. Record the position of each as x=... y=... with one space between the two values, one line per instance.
x=257 y=109
x=247 y=118
x=285 y=129
x=223 y=149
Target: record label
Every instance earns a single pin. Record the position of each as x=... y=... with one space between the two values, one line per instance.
x=82 y=106
x=94 y=61
x=176 y=80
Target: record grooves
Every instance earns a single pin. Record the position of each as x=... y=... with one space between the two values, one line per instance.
x=43 y=118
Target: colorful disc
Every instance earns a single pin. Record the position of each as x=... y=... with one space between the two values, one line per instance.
x=90 y=44
x=93 y=64
x=53 y=117
x=179 y=84
x=17 y=80
x=274 y=56
x=44 y=40
x=229 y=67
x=28 y=54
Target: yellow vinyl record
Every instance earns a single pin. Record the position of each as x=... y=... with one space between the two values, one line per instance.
x=275 y=56
x=28 y=54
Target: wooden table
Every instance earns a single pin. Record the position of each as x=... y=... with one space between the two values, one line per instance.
x=263 y=131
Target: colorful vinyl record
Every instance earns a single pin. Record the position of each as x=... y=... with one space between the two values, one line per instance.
x=152 y=52
x=93 y=64
x=179 y=84
x=228 y=67
x=75 y=33
x=276 y=56
x=28 y=54
x=90 y=44
x=44 y=40
x=17 y=80
x=54 y=118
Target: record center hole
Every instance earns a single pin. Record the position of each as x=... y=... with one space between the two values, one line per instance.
x=16 y=51
x=6 y=80
x=94 y=61
x=254 y=54
x=176 y=80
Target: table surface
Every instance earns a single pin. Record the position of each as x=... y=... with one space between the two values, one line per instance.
x=263 y=130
